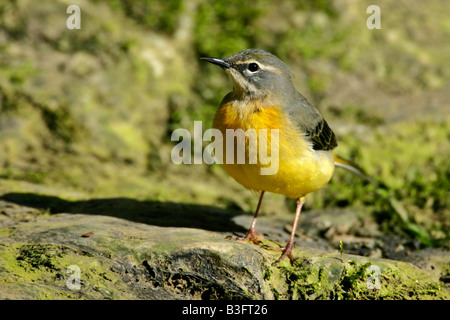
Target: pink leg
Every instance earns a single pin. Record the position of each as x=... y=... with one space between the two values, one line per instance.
x=287 y=250
x=251 y=234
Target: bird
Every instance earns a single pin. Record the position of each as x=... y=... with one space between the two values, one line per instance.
x=264 y=98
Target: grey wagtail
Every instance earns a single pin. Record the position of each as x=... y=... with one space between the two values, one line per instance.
x=264 y=97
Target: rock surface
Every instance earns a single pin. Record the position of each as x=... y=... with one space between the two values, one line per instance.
x=121 y=258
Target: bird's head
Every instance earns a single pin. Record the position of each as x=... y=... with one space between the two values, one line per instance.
x=256 y=73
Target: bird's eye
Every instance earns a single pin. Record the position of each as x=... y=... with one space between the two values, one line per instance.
x=253 y=67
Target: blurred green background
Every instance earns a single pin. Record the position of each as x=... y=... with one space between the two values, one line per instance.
x=89 y=113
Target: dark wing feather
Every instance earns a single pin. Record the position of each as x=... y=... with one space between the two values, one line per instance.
x=311 y=123
x=322 y=136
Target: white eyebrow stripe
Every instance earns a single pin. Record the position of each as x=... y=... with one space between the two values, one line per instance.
x=262 y=66
x=271 y=69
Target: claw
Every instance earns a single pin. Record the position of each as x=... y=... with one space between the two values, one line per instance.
x=253 y=236
x=286 y=252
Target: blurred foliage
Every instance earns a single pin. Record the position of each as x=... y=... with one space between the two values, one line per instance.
x=161 y=15
x=94 y=109
x=225 y=27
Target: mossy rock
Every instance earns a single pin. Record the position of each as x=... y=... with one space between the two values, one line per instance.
x=122 y=259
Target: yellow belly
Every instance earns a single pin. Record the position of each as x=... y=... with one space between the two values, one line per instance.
x=301 y=169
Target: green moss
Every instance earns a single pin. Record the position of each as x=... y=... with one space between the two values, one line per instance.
x=267 y=274
x=305 y=281
x=47 y=264
x=352 y=280
x=331 y=277
x=39 y=256
x=404 y=281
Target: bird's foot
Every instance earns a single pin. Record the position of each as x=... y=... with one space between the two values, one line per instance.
x=251 y=235
x=286 y=252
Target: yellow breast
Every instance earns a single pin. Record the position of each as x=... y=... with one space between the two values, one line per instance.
x=294 y=171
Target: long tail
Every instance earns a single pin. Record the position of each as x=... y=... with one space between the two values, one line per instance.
x=350 y=166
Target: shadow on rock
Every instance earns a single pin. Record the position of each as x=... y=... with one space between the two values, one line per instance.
x=163 y=214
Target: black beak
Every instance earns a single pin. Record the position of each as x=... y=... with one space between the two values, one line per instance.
x=220 y=62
